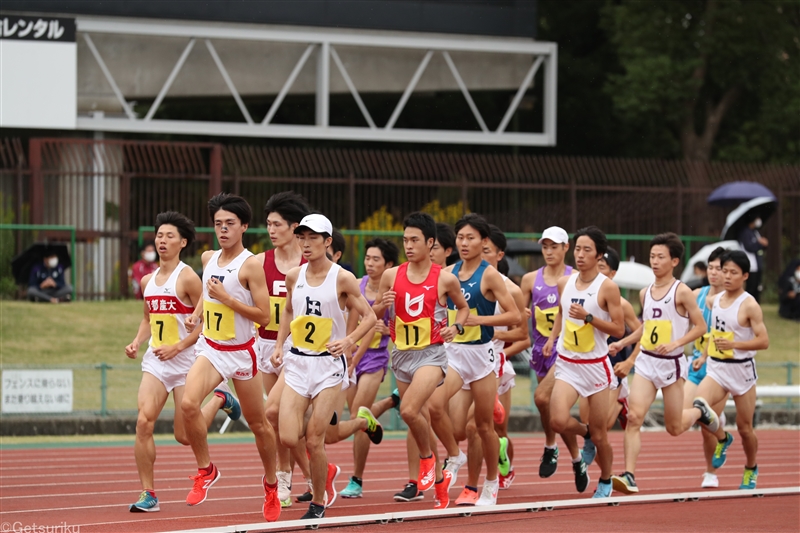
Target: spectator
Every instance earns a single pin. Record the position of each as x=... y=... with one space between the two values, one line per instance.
x=47 y=282
x=144 y=266
x=754 y=244
x=789 y=287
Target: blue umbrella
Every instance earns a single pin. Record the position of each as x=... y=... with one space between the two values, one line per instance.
x=736 y=192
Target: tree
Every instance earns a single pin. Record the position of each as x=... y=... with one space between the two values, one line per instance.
x=690 y=65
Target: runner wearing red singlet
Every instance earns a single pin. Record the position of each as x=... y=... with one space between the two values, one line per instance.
x=416 y=293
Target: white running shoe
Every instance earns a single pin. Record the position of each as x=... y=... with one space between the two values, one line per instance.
x=452 y=464
x=710 y=481
x=284 y=488
x=489 y=493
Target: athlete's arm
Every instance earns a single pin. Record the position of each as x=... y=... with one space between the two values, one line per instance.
x=452 y=290
x=197 y=316
x=348 y=286
x=609 y=294
x=385 y=296
x=188 y=283
x=755 y=317
x=631 y=320
x=526 y=286
x=492 y=283
x=285 y=320
x=685 y=298
x=518 y=332
x=251 y=276
x=623 y=368
x=547 y=349
x=143 y=333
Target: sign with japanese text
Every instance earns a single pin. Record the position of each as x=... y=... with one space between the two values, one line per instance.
x=37 y=391
x=27 y=28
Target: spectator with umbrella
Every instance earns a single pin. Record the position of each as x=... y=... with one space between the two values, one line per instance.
x=46 y=281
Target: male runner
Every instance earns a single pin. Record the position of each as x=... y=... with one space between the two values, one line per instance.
x=589 y=311
x=415 y=294
x=738 y=332
x=441 y=252
x=372 y=358
x=316 y=365
x=540 y=289
x=170 y=294
x=705 y=299
x=671 y=320
x=493 y=253
x=283 y=212
x=235 y=296
x=471 y=355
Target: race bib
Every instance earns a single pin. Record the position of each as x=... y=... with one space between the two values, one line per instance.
x=656 y=332
x=163 y=330
x=545 y=319
x=412 y=336
x=311 y=333
x=375 y=342
x=277 y=303
x=713 y=351
x=700 y=344
x=471 y=333
x=578 y=338
x=218 y=324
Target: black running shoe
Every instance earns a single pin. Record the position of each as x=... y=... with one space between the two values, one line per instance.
x=549 y=462
x=409 y=494
x=314 y=511
x=307 y=496
x=581 y=475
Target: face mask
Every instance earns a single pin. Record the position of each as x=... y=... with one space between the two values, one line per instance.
x=758 y=223
x=52 y=262
x=797 y=275
x=150 y=257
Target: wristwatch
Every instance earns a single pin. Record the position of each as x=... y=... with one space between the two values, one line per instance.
x=459 y=328
x=588 y=319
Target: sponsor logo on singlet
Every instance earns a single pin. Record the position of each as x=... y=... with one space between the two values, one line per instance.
x=415 y=305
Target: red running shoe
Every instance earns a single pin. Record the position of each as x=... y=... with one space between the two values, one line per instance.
x=442 y=498
x=330 y=487
x=499 y=411
x=272 y=505
x=202 y=482
x=427 y=473
x=506 y=481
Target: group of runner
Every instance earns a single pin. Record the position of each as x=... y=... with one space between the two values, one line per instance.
x=319 y=337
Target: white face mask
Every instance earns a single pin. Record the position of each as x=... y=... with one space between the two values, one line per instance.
x=797 y=275
x=52 y=262
x=150 y=256
x=758 y=223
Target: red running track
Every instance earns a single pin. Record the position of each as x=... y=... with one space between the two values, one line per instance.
x=91 y=487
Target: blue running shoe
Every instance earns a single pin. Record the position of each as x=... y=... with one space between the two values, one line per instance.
x=589 y=451
x=749 y=478
x=352 y=490
x=603 y=490
x=396 y=399
x=231 y=405
x=149 y=504
x=721 y=452
x=504 y=464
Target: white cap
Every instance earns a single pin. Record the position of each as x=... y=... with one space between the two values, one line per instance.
x=555 y=234
x=316 y=223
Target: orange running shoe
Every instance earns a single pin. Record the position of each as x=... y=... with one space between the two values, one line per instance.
x=330 y=487
x=427 y=473
x=442 y=497
x=272 y=505
x=202 y=482
x=467 y=497
x=499 y=411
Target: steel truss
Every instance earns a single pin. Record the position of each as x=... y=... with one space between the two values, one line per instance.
x=324 y=43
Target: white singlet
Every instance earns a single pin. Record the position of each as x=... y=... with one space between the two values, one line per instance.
x=726 y=320
x=662 y=322
x=317 y=315
x=579 y=340
x=220 y=323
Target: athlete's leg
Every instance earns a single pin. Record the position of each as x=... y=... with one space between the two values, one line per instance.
x=641 y=397
x=151 y=398
x=438 y=408
x=484 y=392
x=713 y=393
x=414 y=395
x=272 y=410
x=251 y=398
x=709 y=440
x=324 y=405
x=368 y=385
x=542 y=398
x=474 y=449
x=614 y=407
x=201 y=380
x=562 y=400
x=502 y=429
x=459 y=409
x=583 y=409
x=673 y=407
x=745 y=409
x=598 y=415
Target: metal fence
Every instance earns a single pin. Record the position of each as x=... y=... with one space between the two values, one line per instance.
x=107 y=189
